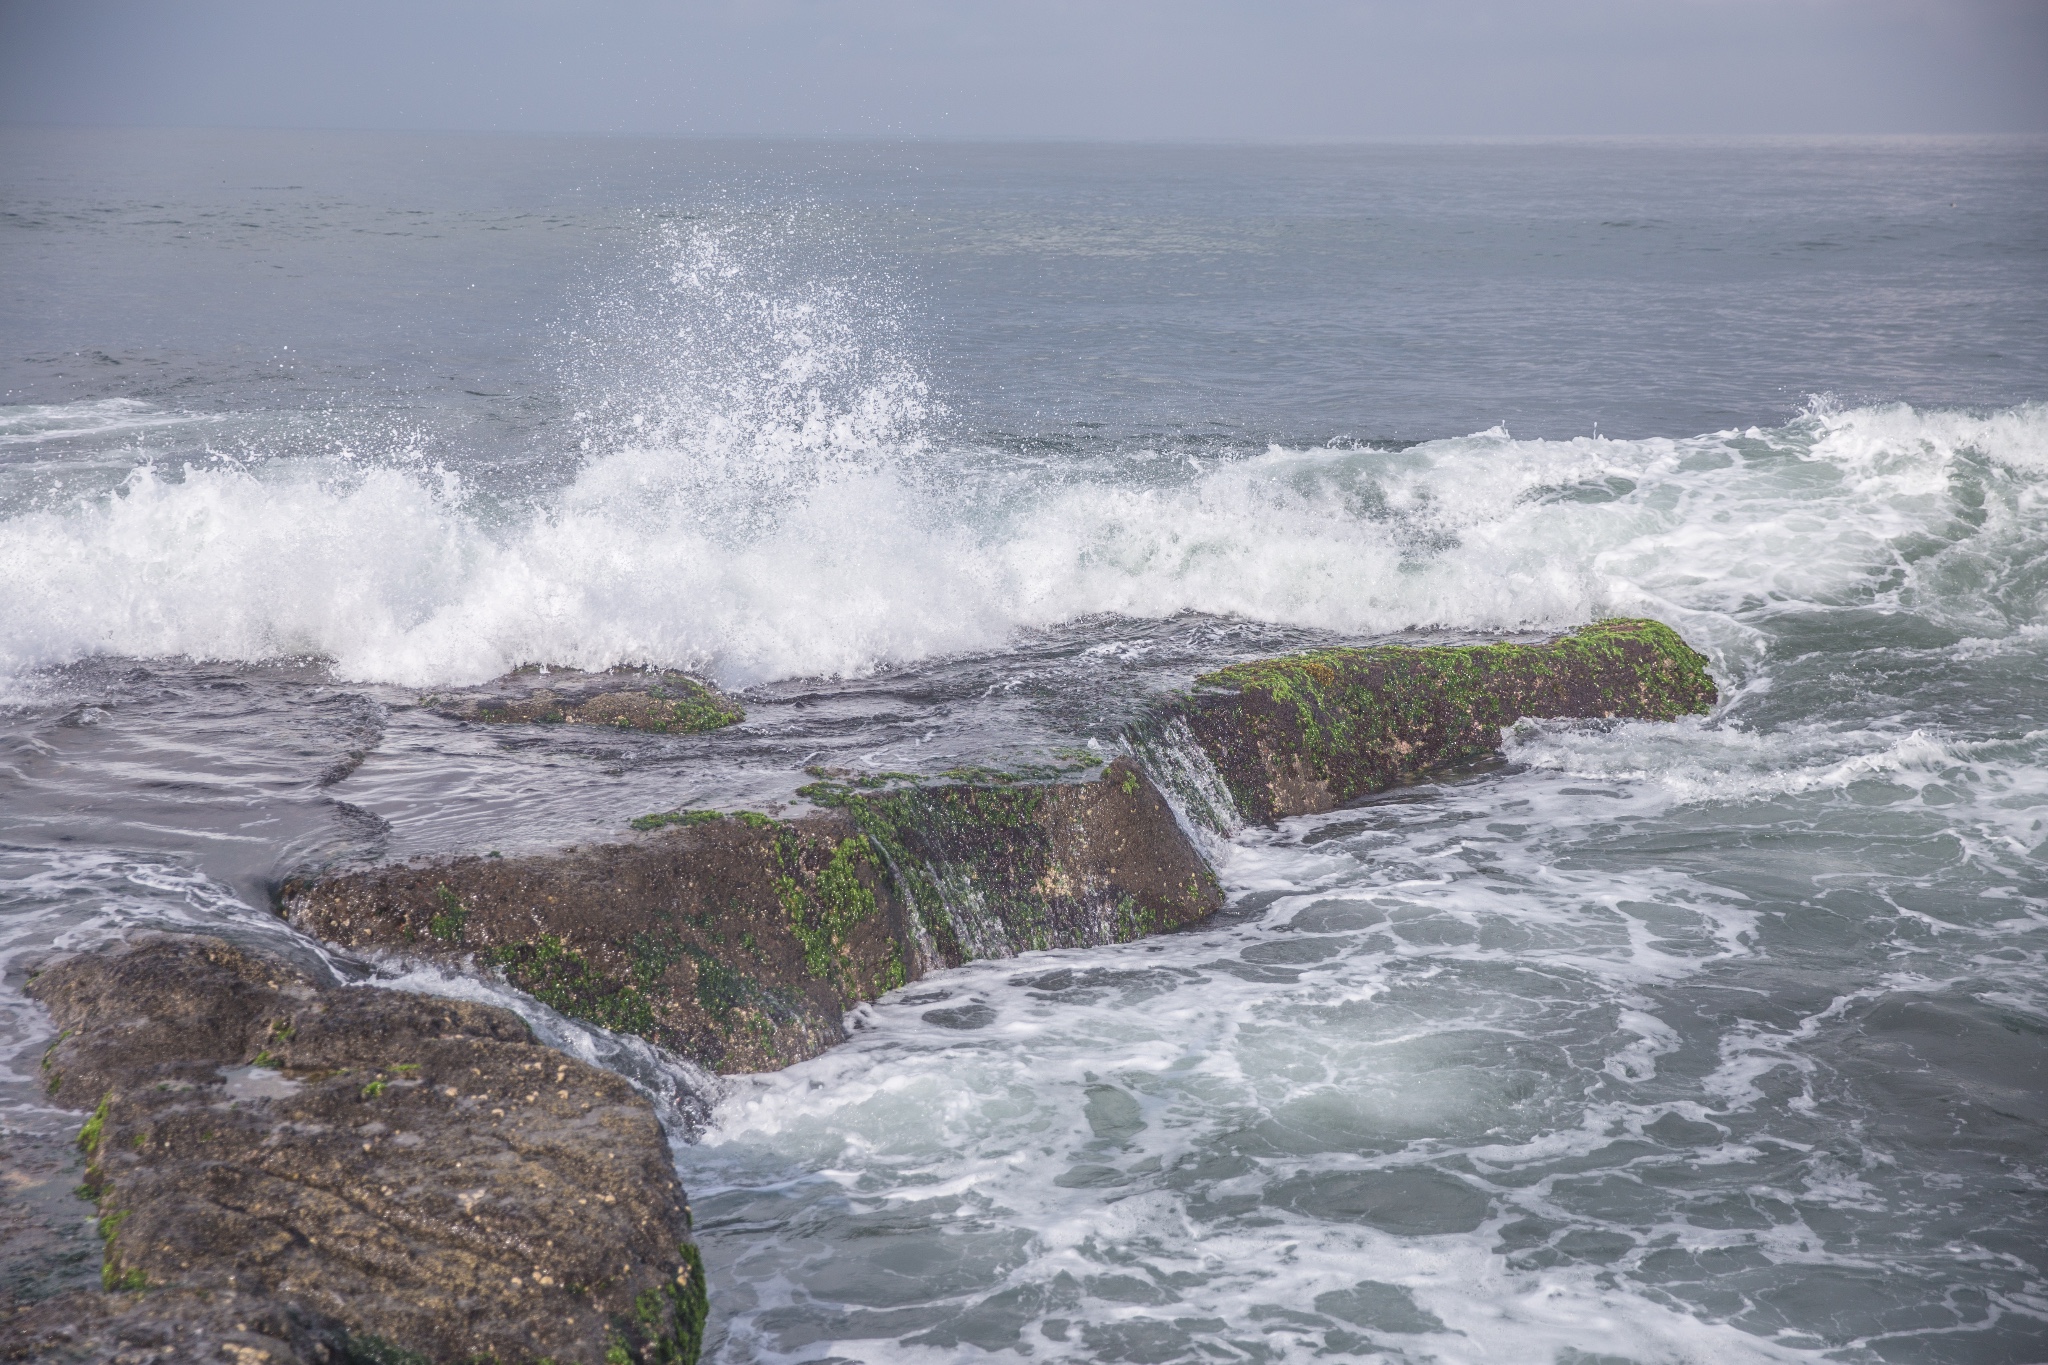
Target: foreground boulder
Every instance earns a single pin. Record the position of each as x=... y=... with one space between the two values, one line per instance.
x=350 y=1173
x=1311 y=732
x=740 y=941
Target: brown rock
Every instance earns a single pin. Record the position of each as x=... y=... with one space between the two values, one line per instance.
x=172 y=1327
x=740 y=941
x=1311 y=732
x=622 y=699
x=418 y=1170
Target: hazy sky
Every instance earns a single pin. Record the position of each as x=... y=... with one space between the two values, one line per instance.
x=1205 y=69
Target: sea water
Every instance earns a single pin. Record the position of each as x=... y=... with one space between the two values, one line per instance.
x=1718 y=1040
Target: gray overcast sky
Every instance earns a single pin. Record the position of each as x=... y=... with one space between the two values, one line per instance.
x=1145 y=69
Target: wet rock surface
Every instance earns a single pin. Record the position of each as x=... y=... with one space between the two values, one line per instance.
x=46 y=1241
x=340 y=1168
x=176 y=1326
x=623 y=699
x=740 y=941
x=1311 y=732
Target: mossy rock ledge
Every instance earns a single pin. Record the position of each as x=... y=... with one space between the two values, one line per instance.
x=1312 y=732
x=621 y=699
x=287 y=1171
x=740 y=941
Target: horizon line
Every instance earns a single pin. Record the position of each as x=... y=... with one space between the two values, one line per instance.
x=1039 y=139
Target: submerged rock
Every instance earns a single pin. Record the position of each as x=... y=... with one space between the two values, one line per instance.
x=740 y=941
x=1310 y=732
x=46 y=1246
x=624 y=699
x=350 y=1170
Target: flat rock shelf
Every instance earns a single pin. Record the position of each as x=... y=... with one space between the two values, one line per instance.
x=739 y=941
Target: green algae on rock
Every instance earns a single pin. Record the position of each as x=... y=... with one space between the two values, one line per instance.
x=1310 y=732
x=623 y=699
x=990 y=872
x=362 y=1174
x=741 y=941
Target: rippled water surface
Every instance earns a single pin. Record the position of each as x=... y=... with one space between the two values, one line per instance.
x=1721 y=1040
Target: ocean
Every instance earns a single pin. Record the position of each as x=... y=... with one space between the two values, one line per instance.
x=1721 y=1040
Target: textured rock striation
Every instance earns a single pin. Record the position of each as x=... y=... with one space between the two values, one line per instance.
x=740 y=941
x=337 y=1173
x=1311 y=732
x=167 y=1326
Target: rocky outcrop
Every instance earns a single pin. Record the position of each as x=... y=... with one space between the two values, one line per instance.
x=350 y=1173
x=740 y=941
x=1311 y=732
x=289 y=1171
x=622 y=699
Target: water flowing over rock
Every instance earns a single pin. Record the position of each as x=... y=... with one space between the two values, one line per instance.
x=342 y=1173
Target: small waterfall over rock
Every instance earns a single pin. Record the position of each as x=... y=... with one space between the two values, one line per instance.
x=1175 y=761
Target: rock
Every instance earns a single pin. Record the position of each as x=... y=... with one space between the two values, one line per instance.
x=414 y=1173
x=993 y=871
x=741 y=941
x=1311 y=732
x=624 y=699
x=173 y=1325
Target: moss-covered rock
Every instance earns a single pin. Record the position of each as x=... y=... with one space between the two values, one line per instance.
x=1310 y=732
x=992 y=871
x=740 y=941
x=623 y=699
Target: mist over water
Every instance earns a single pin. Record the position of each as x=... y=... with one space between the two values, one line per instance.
x=1720 y=1040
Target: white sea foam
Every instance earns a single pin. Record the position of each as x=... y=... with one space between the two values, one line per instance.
x=827 y=544
x=762 y=495
x=1226 y=1080
x=36 y=423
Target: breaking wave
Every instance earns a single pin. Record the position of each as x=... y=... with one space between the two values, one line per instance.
x=855 y=555
x=761 y=494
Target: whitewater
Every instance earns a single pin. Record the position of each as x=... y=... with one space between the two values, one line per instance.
x=1722 y=1040
x=873 y=560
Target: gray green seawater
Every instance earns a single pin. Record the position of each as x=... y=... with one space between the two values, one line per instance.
x=1723 y=1040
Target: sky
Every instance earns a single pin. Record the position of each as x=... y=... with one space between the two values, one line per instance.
x=1202 y=70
